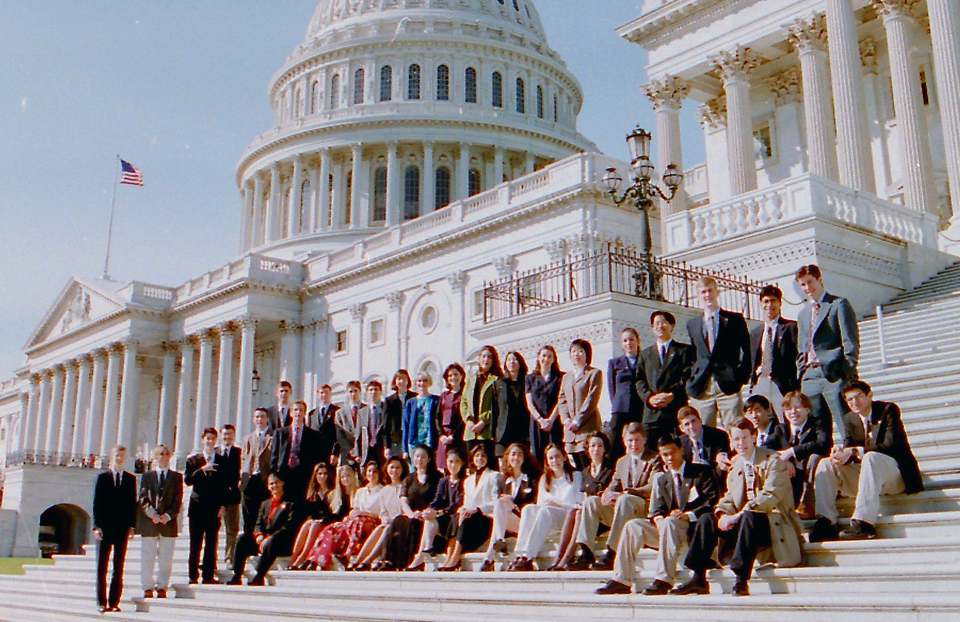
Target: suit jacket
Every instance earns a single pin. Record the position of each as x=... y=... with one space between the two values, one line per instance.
x=512 y=415
x=231 y=474
x=276 y=420
x=308 y=455
x=157 y=500
x=670 y=377
x=774 y=498
x=890 y=438
x=836 y=338
x=207 y=495
x=816 y=437
x=393 y=432
x=256 y=455
x=346 y=429
x=410 y=415
x=115 y=508
x=486 y=411
x=621 y=384
x=729 y=361
x=282 y=526
x=783 y=370
x=714 y=441
x=621 y=474
x=381 y=436
x=700 y=491
x=579 y=401
x=325 y=422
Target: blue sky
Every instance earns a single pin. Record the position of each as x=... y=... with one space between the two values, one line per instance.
x=179 y=89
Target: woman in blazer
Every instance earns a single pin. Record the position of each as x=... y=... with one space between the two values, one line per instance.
x=443 y=510
x=478 y=404
x=513 y=414
x=474 y=518
x=579 y=401
x=543 y=395
x=451 y=421
x=418 y=490
x=517 y=488
x=421 y=418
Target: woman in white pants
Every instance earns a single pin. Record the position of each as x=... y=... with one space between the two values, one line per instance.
x=558 y=493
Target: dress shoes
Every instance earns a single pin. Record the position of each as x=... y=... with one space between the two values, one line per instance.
x=257 y=582
x=605 y=562
x=823 y=531
x=161 y=593
x=103 y=609
x=148 y=594
x=740 y=588
x=488 y=566
x=114 y=609
x=194 y=581
x=805 y=512
x=522 y=564
x=451 y=568
x=211 y=582
x=658 y=588
x=859 y=530
x=696 y=585
x=583 y=560
x=418 y=568
x=235 y=581
x=614 y=587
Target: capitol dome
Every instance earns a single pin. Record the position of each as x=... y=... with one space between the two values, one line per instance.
x=392 y=109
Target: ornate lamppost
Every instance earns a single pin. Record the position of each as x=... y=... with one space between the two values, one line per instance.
x=643 y=191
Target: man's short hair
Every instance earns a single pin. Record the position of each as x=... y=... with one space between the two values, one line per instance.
x=117 y=448
x=229 y=426
x=301 y=403
x=707 y=281
x=668 y=317
x=210 y=430
x=631 y=329
x=669 y=439
x=854 y=385
x=157 y=449
x=375 y=384
x=354 y=384
x=284 y=384
x=261 y=410
x=771 y=291
x=688 y=411
x=758 y=400
x=744 y=424
x=797 y=396
x=325 y=386
x=809 y=270
x=634 y=427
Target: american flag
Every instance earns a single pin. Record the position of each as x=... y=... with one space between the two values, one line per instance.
x=130 y=174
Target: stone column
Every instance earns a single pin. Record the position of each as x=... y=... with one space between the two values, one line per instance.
x=81 y=407
x=429 y=193
x=225 y=376
x=22 y=419
x=809 y=39
x=168 y=394
x=944 y=26
x=258 y=217
x=313 y=173
x=497 y=166
x=853 y=146
x=463 y=172
x=183 y=443
x=337 y=202
x=356 y=219
x=324 y=191
x=529 y=163
x=735 y=68
x=393 y=185
x=294 y=215
x=248 y=338
x=274 y=205
x=111 y=405
x=204 y=415
x=129 y=395
x=289 y=354
x=395 y=303
x=68 y=418
x=55 y=412
x=43 y=412
x=917 y=162
x=94 y=429
x=28 y=426
x=458 y=284
x=667 y=96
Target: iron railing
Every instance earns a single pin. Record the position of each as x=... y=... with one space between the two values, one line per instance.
x=613 y=270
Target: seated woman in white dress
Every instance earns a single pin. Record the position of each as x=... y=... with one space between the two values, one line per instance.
x=559 y=492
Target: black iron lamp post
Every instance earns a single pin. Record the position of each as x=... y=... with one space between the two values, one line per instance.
x=643 y=191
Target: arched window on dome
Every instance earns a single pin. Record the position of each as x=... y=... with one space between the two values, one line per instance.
x=305 y=207
x=413 y=82
x=348 y=200
x=285 y=212
x=443 y=83
x=442 y=185
x=298 y=102
x=539 y=102
x=359 y=86
x=521 y=96
x=411 y=192
x=315 y=97
x=335 y=92
x=516 y=6
x=329 y=201
x=470 y=85
x=556 y=109
x=386 y=83
x=379 y=194
x=474 y=182
x=497 y=88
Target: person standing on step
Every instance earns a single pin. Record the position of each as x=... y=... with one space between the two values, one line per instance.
x=875 y=460
x=280 y=412
x=114 y=517
x=273 y=537
x=828 y=338
x=723 y=362
x=255 y=468
x=773 y=345
x=579 y=405
x=626 y=406
x=296 y=450
x=161 y=495
x=664 y=371
x=395 y=404
x=323 y=419
x=231 y=493
x=204 y=471
x=347 y=419
x=372 y=431
x=802 y=442
x=478 y=402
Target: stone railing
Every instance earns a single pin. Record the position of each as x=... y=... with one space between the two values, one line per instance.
x=792 y=200
x=697 y=185
x=249 y=266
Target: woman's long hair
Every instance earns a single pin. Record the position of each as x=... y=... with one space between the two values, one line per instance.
x=548 y=472
x=314 y=491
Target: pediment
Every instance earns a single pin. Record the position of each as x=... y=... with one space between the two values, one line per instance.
x=77 y=305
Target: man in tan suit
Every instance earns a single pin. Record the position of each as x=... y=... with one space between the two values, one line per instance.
x=756 y=512
x=255 y=468
x=625 y=499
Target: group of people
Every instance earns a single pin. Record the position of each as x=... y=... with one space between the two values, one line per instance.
x=379 y=483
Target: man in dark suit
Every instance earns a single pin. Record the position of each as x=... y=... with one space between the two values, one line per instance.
x=373 y=435
x=161 y=495
x=774 y=348
x=273 y=537
x=828 y=338
x=625 y=403
x=231 y=488
x=681 y=494
x=703 y=444
x=280 y=412
x=662 y=377
x=759 y=410
x=323 y=419
x=346 y=419
x=802 y=441
x=114 y=516
x=296 y=450
x=723 y=358
x=255 y=467
x=875 y=460
x=204 y=472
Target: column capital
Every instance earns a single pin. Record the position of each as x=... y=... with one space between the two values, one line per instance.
x=289 y=327
x=893 y=9
x=190 y=342
x=394 y=300
x=713 y=114
x=98 y=354
x=72 y=365
x=786 y=86
x=668 y=92
x=457 y=280
x=868 y=55
x=736 y=64
x=356 y=311
x=208 y=336
x=114 y=350
x=247 y=322
x=170 y=347
x=556 y=249
x=129 y=343
x=226 y=329
x=808 y=35
x=503 y=265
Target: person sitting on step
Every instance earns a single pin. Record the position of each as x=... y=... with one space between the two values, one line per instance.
x=802 y=441
x=517 y=488
x=272 y=538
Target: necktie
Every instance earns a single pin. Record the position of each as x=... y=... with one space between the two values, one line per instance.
x=372 y=426
x=796 y=438
x=811 y=350
x=766 y=361
x=867 y=432
x=163 y=477
x=294 y=459
x=762 y=438
x=354 y=411
x=663 y=353
x=709 y=335
x=750 y=481
x=678 y=490
x=118 y=480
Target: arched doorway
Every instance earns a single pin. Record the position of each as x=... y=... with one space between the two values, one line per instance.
x=63 y=530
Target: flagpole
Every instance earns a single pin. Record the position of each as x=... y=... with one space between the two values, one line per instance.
x=113 y=204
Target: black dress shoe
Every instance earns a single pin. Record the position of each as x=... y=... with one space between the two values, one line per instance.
x=658 y=588
x=614 y=587
x=583 y=560
x=148 y=594
x=605 y=562
x=823 y=531
x=161 y=593
x=257 y=582
x=740 y=588
x=235 y=581
x=194 y=581
x=859 y=530
x=696 y=585
x=211 y=582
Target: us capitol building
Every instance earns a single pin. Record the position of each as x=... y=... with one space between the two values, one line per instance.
x=424 y=191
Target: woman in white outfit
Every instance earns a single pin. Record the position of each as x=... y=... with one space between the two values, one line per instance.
x=558 y=493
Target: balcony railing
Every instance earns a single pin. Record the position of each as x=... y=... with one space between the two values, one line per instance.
x=612 y=270
x=52 y=458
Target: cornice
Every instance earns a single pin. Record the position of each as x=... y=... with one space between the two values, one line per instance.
x=669 y=20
